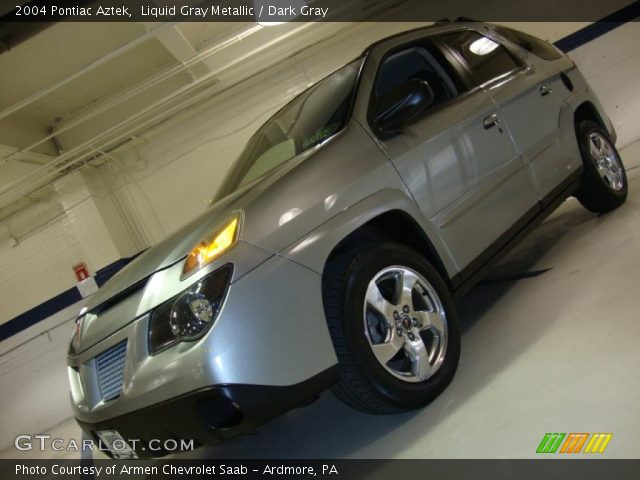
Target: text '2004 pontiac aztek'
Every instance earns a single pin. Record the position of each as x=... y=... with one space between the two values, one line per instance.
x=340 y=238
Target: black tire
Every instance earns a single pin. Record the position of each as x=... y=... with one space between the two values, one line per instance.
x=595 y=193
x=364 y=383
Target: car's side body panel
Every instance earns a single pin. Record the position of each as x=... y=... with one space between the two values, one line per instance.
x=552 y=174
x=546 y=165
x=469 y=181
x=533 y=103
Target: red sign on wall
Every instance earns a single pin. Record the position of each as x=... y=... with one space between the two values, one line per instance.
x=81 y=271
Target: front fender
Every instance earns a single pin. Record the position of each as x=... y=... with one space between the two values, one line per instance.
x=314 y=249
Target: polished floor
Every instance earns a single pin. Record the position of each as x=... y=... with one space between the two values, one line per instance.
x=550 y=344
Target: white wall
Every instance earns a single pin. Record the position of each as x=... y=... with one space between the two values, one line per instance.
x=611 y=64
x=53 y=236
x=165 y=179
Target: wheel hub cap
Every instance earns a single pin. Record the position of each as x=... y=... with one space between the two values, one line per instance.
x=606 y=160
x=405 y=324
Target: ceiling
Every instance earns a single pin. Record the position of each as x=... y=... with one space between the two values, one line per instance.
x=64 y=87
x=72 y=90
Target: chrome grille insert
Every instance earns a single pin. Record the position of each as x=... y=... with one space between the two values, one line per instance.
x=110 y=367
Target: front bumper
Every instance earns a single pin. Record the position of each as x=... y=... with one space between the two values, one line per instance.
x=209 y=415
x=270 y=334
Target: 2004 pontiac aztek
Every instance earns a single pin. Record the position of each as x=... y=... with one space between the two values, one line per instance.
x=341 y=237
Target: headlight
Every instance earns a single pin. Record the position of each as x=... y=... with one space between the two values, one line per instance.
x=190 y=314
x=212 y=247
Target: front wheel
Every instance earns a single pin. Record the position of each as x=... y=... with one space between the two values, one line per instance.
x=394 y=326
x=604 y=183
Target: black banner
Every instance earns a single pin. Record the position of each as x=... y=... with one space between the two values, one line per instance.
x=278 y=11
x=543 y=469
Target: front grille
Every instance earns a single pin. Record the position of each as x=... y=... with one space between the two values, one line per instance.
x=110 y=367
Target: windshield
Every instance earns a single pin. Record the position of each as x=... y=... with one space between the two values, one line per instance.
x=308 y=120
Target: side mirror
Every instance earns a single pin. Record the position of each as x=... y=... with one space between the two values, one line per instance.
x=402 y=106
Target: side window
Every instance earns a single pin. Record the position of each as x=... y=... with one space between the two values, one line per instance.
x=486 y=58
x=416 y=63
x=538 y=47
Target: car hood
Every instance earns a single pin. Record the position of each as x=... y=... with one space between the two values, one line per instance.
x=169 y=251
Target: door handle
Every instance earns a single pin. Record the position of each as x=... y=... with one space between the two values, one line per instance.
x=545 y=90
x=491 y=121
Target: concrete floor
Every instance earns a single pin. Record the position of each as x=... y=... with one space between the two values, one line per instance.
x=550 y=344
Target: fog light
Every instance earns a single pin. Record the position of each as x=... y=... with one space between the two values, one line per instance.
x=190 y=314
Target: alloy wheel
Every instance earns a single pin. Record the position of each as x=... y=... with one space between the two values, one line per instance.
x=607 y=161
x=405 y=324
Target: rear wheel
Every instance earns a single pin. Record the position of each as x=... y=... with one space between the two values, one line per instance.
x=604 y=184
x=394 y=325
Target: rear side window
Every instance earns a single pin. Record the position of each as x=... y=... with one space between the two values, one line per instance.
x=538 y=47
x=486 y=59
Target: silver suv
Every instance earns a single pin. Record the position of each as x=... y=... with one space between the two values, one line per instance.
x=340 y=239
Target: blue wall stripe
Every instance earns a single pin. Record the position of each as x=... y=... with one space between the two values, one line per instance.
x=59 y=302
x=585 y=35
x=42 y=311
x=71 y=296
x=602 y=26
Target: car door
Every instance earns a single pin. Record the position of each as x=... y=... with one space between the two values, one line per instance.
x=457 y=160
x=532 y=103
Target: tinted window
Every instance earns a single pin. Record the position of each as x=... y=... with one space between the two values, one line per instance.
x=538 y=47
x=416 y=63
x=486 y=58
x=311 y=118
